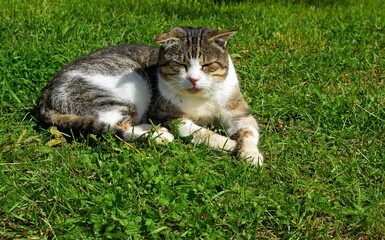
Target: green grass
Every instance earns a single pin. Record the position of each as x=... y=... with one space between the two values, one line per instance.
x=313 y=73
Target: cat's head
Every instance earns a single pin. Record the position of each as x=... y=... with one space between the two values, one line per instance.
x=193 y=60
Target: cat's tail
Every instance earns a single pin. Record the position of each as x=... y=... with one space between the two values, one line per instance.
x=68 y=122
x=90 y=124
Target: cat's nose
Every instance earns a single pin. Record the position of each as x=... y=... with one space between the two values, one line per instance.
x=193 y=80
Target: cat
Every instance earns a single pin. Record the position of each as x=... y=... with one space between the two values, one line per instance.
x=185 y=84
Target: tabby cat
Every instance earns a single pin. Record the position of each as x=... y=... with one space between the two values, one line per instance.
x=190 y=80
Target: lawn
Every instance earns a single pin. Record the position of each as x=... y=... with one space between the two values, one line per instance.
x=312 y=71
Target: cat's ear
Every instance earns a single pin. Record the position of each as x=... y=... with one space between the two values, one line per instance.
x=164 y=38
x=169 y=37
x=220 y=37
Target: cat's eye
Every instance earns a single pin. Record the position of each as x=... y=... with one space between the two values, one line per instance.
x=210 y=67
x=175 y=64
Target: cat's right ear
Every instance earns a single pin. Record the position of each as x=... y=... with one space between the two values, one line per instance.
x=168 y=38
x=165 y=38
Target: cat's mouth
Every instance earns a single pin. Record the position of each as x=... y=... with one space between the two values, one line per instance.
x=194 y=90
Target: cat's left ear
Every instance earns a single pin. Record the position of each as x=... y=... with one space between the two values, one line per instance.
x=220 y=37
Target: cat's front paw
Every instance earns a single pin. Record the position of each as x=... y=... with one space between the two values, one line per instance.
x=162 y=136
x=253 y=156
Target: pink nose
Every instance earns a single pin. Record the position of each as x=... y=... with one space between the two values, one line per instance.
x=193 y=80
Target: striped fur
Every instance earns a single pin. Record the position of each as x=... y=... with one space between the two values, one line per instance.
x=190 y=78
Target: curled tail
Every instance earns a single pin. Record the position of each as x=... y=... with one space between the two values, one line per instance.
x=67 y=122
x=91 y=124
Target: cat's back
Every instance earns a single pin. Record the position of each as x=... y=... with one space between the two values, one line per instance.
x=115 y=60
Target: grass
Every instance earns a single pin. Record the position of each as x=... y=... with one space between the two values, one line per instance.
x=313 y=73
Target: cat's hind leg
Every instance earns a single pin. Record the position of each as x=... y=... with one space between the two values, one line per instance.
x=122 y=125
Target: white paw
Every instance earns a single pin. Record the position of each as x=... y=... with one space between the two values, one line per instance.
x=226 y=144
x=162 y=136
x=253 y=156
